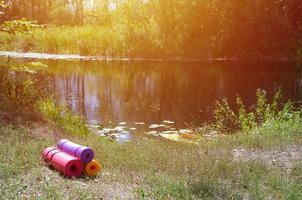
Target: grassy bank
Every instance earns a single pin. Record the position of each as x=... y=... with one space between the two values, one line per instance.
x=153 y=169
x=258 y=156
x=84 y=40
x=252 y=164
x=118 y=41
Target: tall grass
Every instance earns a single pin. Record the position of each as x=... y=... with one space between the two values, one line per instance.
x=60 y=116
x=265 y=118
x=84 y=40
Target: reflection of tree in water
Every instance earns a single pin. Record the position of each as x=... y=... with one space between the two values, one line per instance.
x=152 y=92
x=70 y=89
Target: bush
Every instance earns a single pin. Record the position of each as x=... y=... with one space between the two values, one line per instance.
x=287 y=122
x=22 y=86
x=265 y=116
x=226 y=120
x=22 y=25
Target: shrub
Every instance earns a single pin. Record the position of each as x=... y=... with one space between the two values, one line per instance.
x=226 y=120
x=265 y=116
x=287 y=122
x=22 y=86
x=22 y=25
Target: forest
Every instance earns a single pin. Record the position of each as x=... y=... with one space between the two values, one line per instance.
x=194 y=29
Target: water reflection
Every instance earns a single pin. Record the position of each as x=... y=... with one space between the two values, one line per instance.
x=152 y=92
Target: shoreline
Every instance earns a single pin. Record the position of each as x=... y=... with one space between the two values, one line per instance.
x=63 y=56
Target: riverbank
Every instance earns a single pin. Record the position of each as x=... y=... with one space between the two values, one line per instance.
x=248 y=164
x=230 y=167
x=104 y=43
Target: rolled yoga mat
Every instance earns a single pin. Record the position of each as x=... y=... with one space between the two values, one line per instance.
x=70 y=166
x=85 y=154
x=92 y=168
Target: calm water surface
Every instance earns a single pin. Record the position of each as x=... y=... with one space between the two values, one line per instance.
x=151 y=92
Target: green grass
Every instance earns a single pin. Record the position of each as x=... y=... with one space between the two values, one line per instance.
x=272 y=118
x=154 y=168
x=84 y=40
x=17 y=149
x=61 y=117
x=150 y=168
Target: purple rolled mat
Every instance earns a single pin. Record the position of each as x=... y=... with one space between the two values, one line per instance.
x=85 y=154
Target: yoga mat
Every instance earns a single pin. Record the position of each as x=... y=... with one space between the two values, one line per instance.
x=85 y=154
x=92 y=168
x=63 y=162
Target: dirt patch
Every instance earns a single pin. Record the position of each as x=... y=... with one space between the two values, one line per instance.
x=281 y=158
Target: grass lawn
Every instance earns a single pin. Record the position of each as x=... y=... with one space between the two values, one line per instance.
x=230 y=167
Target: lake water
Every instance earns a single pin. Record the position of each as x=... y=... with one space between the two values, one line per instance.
x=151 y=92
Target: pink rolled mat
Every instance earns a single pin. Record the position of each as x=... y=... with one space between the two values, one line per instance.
x=63 y=162
x=85 y=154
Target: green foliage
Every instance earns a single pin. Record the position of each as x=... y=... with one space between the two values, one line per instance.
x=22 y=86
x=264 y=117
x=60 y=116
x=225 y=118
x=22 y=25
x=247 y=120
x=165 y=29
x=30 y=68
x=288 y=122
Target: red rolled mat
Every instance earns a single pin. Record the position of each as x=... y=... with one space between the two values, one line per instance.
x=65 y=163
